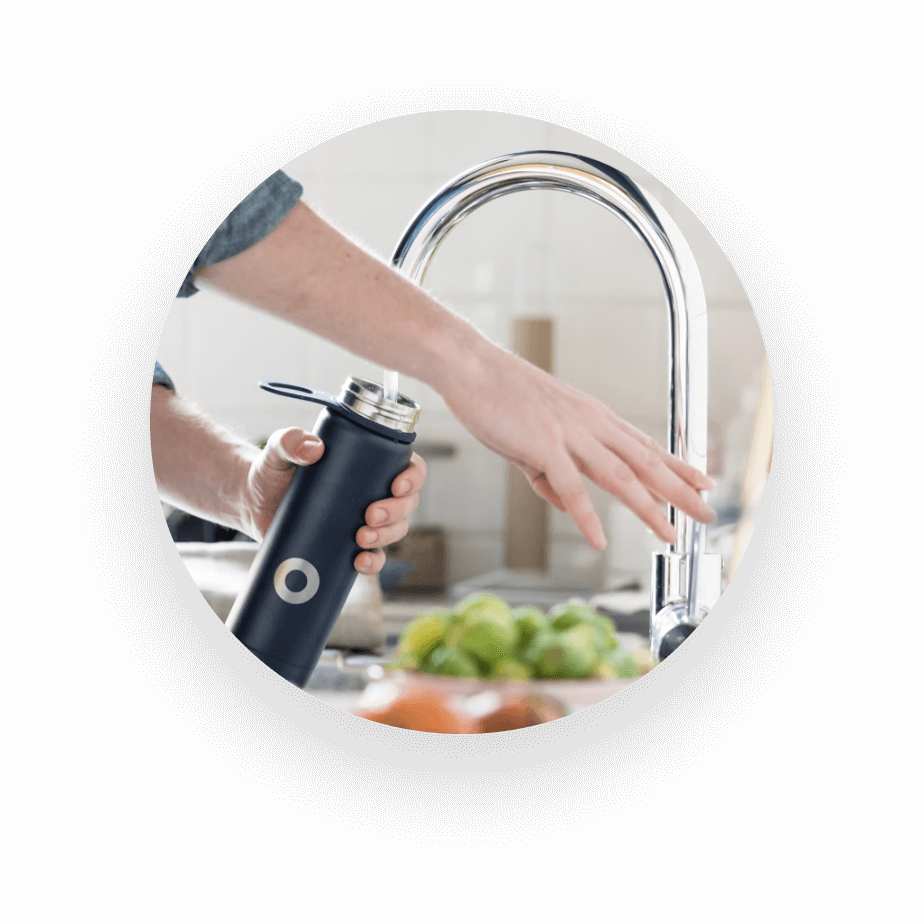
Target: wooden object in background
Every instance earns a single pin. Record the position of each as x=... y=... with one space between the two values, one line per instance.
x=527 y=513
x=425 y=546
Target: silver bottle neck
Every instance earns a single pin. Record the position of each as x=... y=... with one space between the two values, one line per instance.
x=368 y=400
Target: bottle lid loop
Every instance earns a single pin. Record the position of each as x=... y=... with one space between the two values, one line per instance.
x=363 y=398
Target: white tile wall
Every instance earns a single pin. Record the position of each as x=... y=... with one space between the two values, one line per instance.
x=541 y=253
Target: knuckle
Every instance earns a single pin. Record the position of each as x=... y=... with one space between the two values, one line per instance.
x=649 y=460
x=652 y=513
x=574 y=498
x=285 y=442
x=289 y=436
x=622 y=473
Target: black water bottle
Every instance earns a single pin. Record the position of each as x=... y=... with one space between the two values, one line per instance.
x=304 y=570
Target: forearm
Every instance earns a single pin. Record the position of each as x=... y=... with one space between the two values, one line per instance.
x=199 y=466
x=309 y=274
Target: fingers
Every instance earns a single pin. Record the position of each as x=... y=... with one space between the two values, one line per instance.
x=565 y=481
x=615 y=476
x=540 y=484
x=411 y=480
x=386 y=520
x=368 y=538
x=684 y=470
x=392 y=511
x=292 y=446
x=369 y=562
x=632 y=467
x=693 y=476
x=644 y=455
x=652 y=470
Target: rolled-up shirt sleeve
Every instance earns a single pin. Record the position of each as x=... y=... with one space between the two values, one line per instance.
x=257 y=215
x=161 y=377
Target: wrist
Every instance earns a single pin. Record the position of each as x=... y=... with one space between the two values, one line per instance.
x=200 y=466
x=457 y=358
x=234 y=494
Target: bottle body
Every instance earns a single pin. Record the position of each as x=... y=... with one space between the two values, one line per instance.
x=304 y=570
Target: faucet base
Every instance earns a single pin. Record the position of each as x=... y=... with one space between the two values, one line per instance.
x=671 y=620
x=672 y=626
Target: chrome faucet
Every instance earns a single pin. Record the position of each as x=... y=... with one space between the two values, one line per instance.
x=685 y=581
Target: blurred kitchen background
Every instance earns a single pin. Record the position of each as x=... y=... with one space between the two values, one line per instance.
x=547 y=273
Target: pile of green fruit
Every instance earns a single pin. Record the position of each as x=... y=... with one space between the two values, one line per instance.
x=483 y=638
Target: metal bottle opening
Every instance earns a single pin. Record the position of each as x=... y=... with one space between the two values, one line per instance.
x=368 y=400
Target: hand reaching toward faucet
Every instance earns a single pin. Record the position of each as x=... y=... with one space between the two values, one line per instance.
x=307 y=273
x=555 y=434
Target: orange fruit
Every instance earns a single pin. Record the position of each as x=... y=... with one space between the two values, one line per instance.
x=421 y=710
x=521 y=713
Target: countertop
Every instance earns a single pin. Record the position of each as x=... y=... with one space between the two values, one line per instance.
x=219 y=570
x=341 y=676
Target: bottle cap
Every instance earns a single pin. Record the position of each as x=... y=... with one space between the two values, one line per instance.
x=368 y=400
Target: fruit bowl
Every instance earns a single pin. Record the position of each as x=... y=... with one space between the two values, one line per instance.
x=574 y=694
x=484 y=667
x=457 y=705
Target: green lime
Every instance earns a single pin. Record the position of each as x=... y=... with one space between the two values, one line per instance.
x=620 y=664
x=529 y=622
x=605 y=631
x=471 y=600
x=510 y=669
x=455 y=628
x=451 y=662
x=627 y=667
x=404 y=661
x=569 y=655
x=488 y=636
x=481 y=605
x=531 y=652
x=605 y=670
x=584 y=636
x=568 y=615
x=642 y=658
x=458 y=618
x=423 y=634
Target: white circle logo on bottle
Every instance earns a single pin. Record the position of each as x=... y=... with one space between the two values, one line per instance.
x=289 y=566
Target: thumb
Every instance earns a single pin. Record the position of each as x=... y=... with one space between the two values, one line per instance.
x=292 y=446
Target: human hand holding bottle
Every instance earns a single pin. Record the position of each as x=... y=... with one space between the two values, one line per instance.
x=205 y=469
x=271 y=472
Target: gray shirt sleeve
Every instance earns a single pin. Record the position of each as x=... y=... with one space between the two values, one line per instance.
x=161 y=377
x=257 y=215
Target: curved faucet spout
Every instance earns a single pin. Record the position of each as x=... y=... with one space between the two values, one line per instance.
x=681 y=577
